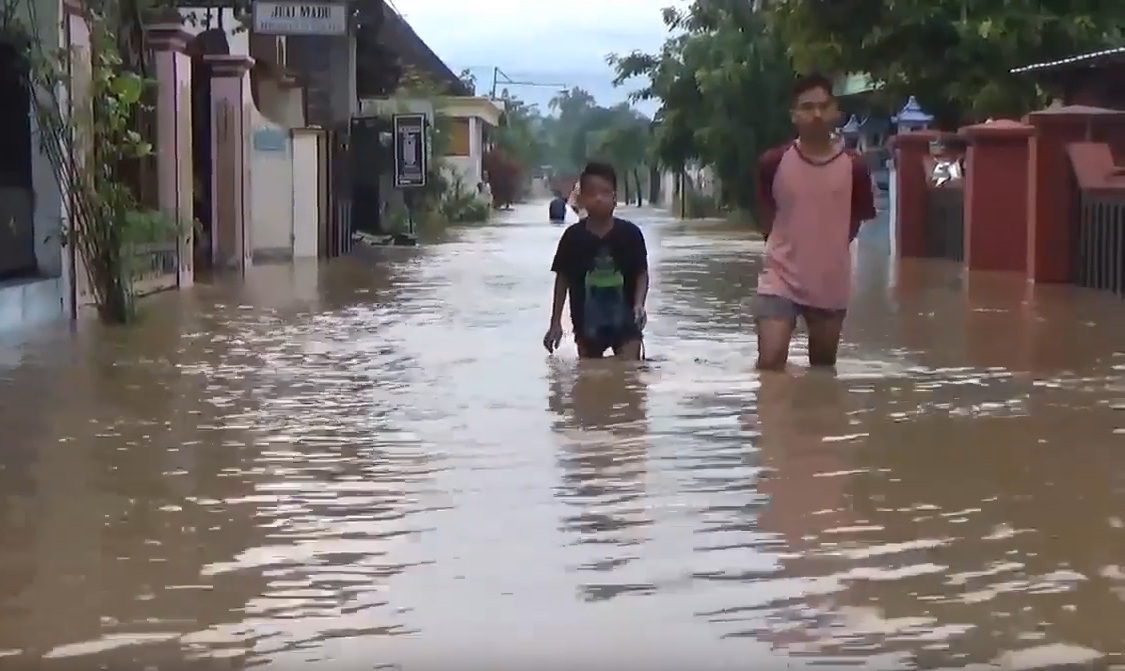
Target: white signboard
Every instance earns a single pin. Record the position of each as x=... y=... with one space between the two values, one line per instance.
x=300 y=18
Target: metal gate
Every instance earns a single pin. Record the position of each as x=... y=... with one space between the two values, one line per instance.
x=336 y=236
x=1099 y=246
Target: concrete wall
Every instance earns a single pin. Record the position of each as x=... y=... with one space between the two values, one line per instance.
x=271 y=192
x=284 y=172
x=306 y=208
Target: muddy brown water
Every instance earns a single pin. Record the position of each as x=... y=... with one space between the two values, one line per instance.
x=375 y=465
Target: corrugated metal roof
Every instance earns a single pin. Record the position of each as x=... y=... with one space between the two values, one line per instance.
x=1092 y=57
x=399 y=35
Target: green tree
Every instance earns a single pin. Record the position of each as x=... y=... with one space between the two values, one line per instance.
x=624 y=144
x=469 y=79
x=723 y=82
x=566 y=130
x=954 y=55
x=521 y=134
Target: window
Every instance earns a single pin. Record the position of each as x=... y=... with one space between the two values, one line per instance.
x=460 y=139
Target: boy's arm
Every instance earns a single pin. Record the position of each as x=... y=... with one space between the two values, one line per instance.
x=559 y=267
x=642 y=270
x=558 y=299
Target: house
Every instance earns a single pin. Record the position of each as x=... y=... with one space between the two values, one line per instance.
x=35 y=267
x=385 y=56
x=470 y=118
x=1096 y=79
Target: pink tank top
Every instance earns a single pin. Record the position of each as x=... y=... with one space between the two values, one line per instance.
x=808 y=255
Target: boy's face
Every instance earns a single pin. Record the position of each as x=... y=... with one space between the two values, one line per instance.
x=597 y=196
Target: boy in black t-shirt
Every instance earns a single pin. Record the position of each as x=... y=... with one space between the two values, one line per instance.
x=602 y=265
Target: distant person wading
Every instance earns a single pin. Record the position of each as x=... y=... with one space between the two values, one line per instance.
x=557 y=209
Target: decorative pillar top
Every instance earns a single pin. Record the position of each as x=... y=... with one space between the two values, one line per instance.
x=912 y=113
x=1072 y=114
x=228 y=65
x=920 y=138
x=167 y=37
x=999 y=129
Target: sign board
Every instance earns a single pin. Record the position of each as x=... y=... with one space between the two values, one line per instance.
x=411 y=150
x=270 y=140
x=300 y=18
x=188 y=5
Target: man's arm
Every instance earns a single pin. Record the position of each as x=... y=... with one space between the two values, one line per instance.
x=768 y=164
x=863 y=195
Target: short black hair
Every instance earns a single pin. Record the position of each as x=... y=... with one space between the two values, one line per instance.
x=810 y=82
x=599 y=169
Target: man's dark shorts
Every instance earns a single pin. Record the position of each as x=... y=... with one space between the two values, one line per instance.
x=775 y=307
x=594 y=348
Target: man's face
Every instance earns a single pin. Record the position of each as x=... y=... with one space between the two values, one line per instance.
x=815 y=113
x=597 y=196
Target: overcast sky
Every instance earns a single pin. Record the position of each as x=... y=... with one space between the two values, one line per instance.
x=563 y=43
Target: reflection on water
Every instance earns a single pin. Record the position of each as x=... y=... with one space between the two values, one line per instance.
x=374 y=465
x=602 y=432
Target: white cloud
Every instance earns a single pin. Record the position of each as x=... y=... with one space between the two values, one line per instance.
x=575 y=33
x=565 y=43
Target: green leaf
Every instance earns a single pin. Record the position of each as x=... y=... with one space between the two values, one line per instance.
x=128 y=88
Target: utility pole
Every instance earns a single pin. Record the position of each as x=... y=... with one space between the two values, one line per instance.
x=497 y=73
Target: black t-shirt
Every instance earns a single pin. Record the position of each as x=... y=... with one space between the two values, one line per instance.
x=601 y=274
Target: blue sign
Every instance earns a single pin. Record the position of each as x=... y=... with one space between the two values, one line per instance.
x=271 y=140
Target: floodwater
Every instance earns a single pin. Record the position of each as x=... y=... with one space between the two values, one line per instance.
x=376 y=466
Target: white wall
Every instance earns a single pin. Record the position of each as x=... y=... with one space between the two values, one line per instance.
x=469 y=168
x=284 y=217
x=306 y=208
x=271 y=189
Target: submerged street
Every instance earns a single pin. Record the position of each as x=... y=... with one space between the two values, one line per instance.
x=375 y=465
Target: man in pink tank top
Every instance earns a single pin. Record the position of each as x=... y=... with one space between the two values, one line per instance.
x=813 y=195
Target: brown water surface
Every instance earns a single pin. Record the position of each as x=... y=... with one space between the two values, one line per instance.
x=377 y=466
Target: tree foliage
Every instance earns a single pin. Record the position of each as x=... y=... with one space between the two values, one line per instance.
x=954 y=55
x=519 y=139
x=723 y=82
x=582 y=130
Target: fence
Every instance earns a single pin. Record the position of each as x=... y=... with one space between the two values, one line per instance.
x=336 y=194
x=945 y=223
x=157 y=267
x=1099 y=247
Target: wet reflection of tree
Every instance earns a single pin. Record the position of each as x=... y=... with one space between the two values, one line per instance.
x=602 y=425
x=999 y=525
